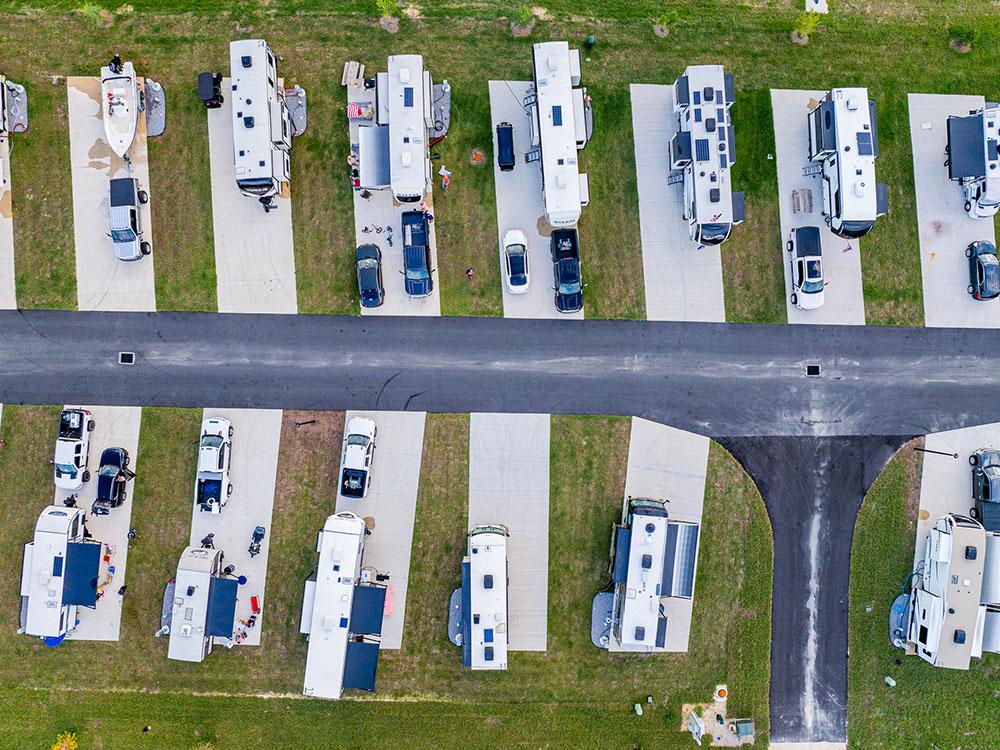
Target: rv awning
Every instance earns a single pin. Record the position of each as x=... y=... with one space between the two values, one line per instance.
x=221 y=607
x=366 y=610
x=990 y=592
x=623 y=540
x=991 y=630
x=360 y=666
x=966 y=150
x=373 y=157
x=679 y=560
x=83 y=560
x=466 y=614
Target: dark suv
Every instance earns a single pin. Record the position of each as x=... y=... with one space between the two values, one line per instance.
x=986 y=487
x=416 y=255
x=984 y=270
x=112 y=478
x=566 y=270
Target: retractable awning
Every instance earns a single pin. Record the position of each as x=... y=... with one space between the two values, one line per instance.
x=361 y=665
x=966 y=150
x=623 y=541
x=83 y=560
x=373 y=157
x=367 y=608
x=221 y=607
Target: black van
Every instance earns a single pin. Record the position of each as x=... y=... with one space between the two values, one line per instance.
x=505 y=146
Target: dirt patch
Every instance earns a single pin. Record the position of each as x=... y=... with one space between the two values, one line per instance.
x=914 y=464
x=543 y=226
x=6 y=207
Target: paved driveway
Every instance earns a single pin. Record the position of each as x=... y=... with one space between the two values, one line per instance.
x=8 y=298
x=944 y=227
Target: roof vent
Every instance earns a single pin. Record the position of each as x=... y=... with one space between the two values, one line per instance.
x=959 y=636
x=647 y=562
x=860 y=188
x=552 y=63
x=488 y=581
x=650 y=528
x=404 y=75
x=406 y=158
x=970 y=552
x=560 y=181
x=852 y=104
x=713 y=195
x=640 y=633
x=247 y=61
x=248 y=122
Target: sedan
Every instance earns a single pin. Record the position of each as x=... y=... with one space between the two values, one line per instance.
x=112 y=478
x=984 y=270
x=369 y=267
x=515 y=256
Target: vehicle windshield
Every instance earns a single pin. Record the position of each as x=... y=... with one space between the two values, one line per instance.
x=108 y=471
x=211 y=441
x=256 y=185
x=855 y=229
x=814 y=277
x=569 y=287
x=361 y=440
x=713 y=234
x=123 y=235
x=417 y=274
x=66 y=469
x=367 y=264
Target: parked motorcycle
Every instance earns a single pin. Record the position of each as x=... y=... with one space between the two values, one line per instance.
x=255 y=539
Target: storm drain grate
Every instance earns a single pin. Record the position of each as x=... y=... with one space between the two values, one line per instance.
x=126 y=358
x=812 y=371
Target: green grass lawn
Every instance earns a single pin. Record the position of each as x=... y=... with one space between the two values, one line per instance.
x=928 y=707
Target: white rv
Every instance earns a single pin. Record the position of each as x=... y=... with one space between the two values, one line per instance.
x=653 y=559
x=262 y=128
x=484 y=599
x=974 y=159
x=558 y=113
x=954 y=609
x=59 y=574
x=203 y=611
x=341 y=613
x=843 y=146
x=393 y=151
x=702 y=152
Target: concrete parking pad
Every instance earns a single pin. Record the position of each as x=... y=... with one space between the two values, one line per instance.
x=669 y=464
x=520 y=206
x=845 y=300
x=390 y=506
x=945 y=228
x=102 y=281
x=509 y=484
x=946 y=481
x=114 y=427
x=683 y=280
x=8 y=298
x=381 y=211
x=254 y=251
x=256 y=437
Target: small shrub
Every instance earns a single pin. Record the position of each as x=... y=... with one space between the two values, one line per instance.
x=964 y=35
x=387 y=8
x=668 y=20
x=806 y=24
x=524 y=16
x=91 y=12
x=65 y=740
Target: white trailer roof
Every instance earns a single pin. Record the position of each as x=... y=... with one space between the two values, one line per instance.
x=488 y=597
x=340 y=546
x=640 y=609
x=706 y=118
x=555 y=115
x=408 y=104
x=190 y=610
x=855 y=154
x=43 y=576
x=253 y=90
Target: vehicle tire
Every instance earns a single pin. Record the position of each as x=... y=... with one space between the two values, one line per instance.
x=143 y=197
x=231 y=430
x=972 y=460
x=789 y=246
x=968 y=206
x=968 y=251
x=86 y=476
x=229 y=490
x=124 y=498
x=145 y=248
x=794 y=298
x=91 y=425
x=969 y=289
x=973 y=513
x=128 y=459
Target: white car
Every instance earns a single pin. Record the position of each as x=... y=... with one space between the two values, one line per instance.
x=356 y=460
x=212 y=488
x=805 y=258
x=515 y=260
x=72 y=452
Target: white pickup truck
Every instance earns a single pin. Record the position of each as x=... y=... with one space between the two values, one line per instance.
x=212 y=488
x=72 y=452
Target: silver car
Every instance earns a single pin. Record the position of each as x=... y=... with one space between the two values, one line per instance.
x=125 y=219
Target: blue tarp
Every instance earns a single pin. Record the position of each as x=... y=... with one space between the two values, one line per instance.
x=367 y=609
x=623 y=541
x=361 y=664
x=83 y=560
x=221 y=607
x=466 y=614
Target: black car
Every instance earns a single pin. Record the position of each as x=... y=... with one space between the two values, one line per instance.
x=566 y=270
x=986 y=487
x=369 y=267
x=984 y=270
x=416 y=254
x=112 y=478
x=505 y=146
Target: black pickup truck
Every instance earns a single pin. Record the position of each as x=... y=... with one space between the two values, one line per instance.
x=566 y=270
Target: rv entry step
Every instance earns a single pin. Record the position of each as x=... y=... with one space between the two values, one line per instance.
x=812 y=169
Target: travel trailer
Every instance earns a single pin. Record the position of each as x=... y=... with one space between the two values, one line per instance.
x=484 y=618
x=341 y=612
x=203 y=610
x=973 y=159
x=843 y=147
x=59 y=574
x=703 y=151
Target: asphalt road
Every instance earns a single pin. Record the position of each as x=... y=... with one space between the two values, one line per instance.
x=813 y=444
x=721 y=380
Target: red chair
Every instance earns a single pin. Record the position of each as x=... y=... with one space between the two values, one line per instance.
x=255 y=605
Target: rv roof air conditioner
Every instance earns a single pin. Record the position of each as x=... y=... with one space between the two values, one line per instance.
x=247 y=61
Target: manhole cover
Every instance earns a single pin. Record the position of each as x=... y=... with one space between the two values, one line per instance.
x=126 y=358
x=812 y=371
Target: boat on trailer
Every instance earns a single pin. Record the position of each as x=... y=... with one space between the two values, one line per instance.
x=120 y=104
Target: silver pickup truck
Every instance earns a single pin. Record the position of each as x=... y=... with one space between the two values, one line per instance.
x=125 y=219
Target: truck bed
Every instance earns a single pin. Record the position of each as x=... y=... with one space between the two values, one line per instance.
x=564 y=244
x=123 y=191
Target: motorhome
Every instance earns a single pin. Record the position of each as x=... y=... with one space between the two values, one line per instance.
x=484 y=618
x=703 y=151
x=393 y=151
x=843 y=147
x=262 y=128
x=59 y=574
x=954 y=606
x=560 y=119
x=203 y=609
x=974 y=159
x=653 y=559
x=341 y=612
